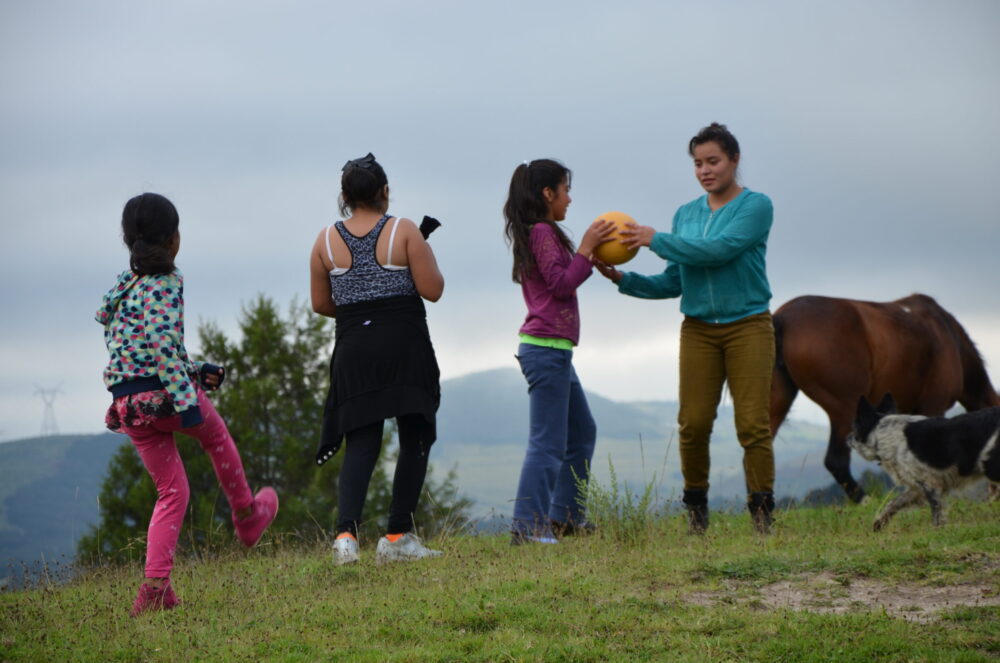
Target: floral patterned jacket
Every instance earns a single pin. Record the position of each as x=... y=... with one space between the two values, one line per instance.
x=143 y=318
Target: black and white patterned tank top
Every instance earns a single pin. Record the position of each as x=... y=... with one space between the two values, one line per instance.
x=366 y=280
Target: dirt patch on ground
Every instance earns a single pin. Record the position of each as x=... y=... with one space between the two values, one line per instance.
x=826 y=593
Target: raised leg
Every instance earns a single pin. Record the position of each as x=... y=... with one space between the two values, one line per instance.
x=906 y=498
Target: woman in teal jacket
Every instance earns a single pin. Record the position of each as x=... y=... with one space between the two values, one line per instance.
x=715 y=255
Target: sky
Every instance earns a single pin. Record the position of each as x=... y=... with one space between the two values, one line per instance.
x=871 y=126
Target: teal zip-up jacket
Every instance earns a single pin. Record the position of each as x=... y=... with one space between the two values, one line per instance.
x=715 y=260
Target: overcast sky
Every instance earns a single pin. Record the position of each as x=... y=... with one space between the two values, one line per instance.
x=872 y=127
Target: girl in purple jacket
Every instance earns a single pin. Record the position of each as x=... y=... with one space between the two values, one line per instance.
x=562 y=430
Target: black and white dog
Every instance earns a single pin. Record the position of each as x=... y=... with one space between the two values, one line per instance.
x=927 y=456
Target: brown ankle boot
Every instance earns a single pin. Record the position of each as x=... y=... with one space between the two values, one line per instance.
x=696 y=503
x=761 y=505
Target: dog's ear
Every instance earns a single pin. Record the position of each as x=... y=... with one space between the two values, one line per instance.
x=865 y=421
x=864 y=408
x=887 y=405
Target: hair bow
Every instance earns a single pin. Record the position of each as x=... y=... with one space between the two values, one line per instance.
x=365 y=162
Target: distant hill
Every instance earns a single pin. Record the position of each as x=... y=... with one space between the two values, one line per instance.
x=483 y=428
x=48 y=495
x=49 y=485
x=491 y=407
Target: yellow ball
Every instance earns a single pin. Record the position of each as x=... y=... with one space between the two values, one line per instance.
x=613 y=252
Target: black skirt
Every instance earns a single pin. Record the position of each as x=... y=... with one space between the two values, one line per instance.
x=383 y=366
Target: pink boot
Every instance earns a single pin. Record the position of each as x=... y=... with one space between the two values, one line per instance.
x=265 y=508
x=150 y=599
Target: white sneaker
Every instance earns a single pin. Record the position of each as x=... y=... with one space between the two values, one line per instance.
x=406 y=548
x=345 y=551
x=520 y=539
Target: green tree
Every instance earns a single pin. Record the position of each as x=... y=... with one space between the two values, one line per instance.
x=126 y=501
x=272 y=402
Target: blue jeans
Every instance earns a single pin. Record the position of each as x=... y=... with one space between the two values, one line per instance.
x=560 y=443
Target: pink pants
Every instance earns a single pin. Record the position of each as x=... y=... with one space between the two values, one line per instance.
x=155 y=443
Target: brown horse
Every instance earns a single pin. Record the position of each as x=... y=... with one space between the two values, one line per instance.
x=837 y=350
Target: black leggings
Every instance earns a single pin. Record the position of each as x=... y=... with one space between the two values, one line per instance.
x=361 y=452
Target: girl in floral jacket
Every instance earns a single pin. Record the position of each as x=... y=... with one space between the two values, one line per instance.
x=157 y=390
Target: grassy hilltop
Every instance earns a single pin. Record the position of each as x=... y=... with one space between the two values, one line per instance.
x=823 y=587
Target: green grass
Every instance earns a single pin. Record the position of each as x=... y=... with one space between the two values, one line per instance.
x=659 y=595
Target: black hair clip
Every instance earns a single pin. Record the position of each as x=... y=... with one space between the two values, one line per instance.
x=365 y=162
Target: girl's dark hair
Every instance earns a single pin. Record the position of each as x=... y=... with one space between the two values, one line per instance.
x=149 y=223
x=362 y=185
x=526 y=206
x=717 y=133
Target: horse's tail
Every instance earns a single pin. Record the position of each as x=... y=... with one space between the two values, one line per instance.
x=783 y=387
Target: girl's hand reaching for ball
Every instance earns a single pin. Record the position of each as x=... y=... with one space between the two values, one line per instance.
x=599 y=232
x=607 y=271
x=633 y=235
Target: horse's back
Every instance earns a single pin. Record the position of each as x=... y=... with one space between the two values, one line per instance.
x=823 y=348
x=843 y=348
x=918 y=355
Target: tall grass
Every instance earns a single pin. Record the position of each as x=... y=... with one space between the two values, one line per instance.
x=618 y=512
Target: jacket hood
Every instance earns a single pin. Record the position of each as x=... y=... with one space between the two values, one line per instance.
x=112 y=298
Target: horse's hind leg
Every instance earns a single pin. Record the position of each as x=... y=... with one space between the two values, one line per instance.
x=838 y=462
x=783 y=392
x=908 y=497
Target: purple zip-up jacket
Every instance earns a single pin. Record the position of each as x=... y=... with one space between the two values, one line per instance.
x=550 y=291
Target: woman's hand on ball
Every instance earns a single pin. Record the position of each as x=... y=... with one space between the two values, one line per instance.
x=599 y=232
x=608 y=271
x=633 y=235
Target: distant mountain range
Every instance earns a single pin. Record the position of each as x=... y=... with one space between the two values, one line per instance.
x=49 y=485
x=483 y=429
x=48 y=496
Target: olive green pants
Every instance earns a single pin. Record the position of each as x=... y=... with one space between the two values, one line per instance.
x=741 y=354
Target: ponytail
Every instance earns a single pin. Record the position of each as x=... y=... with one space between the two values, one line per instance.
x=526 y=206
x=149 y=223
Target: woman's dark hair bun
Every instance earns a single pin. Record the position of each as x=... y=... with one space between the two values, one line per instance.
x=363 y=185
x=717 y=133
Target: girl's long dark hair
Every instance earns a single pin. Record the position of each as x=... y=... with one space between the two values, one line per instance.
x=149 y=223
x=526 y=206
